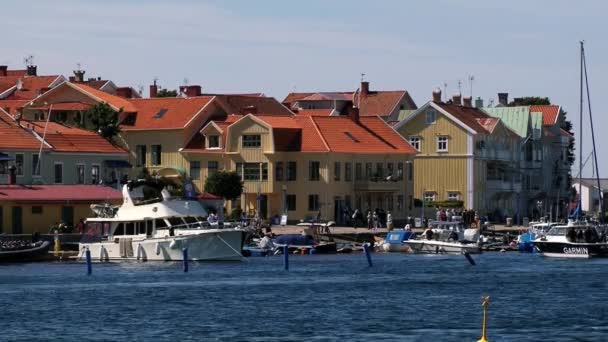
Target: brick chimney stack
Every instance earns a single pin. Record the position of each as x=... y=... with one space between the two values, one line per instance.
x=353 y=114
x=436 y=95
x=153 y=89
x=79 y=75
x=456 y=99
x=31 y=70
x=190 y=90
x=3 y=70
x=503 y=98
x=125 y=92
x=364 y=88
x=467 y=101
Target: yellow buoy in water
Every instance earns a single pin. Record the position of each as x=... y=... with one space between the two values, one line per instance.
x=57 y=247
x=485 y=301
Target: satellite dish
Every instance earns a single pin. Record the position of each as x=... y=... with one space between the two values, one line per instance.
x=19 y=84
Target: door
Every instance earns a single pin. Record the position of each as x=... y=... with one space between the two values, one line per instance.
x=17 y=220
x=338 y=215
x=263 y=206
x=67 y=215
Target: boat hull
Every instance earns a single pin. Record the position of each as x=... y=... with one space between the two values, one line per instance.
x=27 y=255
x=442 y=247
x=210 y=245
x=396 y=247
x=571 y=249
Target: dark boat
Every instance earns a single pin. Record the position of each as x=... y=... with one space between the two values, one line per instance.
x=572 y=241
x=306 y=242
x=19 y=251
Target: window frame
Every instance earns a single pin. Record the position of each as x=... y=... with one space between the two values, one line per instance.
x=195 y=172
x=291 y=203
x=416 y=142
x=55 y=173
x=140 y=155
x=313 y=202
x=292 y=172
x=158 y=154
x=449 y=193
x=430 y=116
x=348 y=172
x=251 y=140
x=337 y=171
x=442 y=139
x=213 y=166
x=279 y=171
x=36 y=169
x=19 y=173
x=219 y=144
x=429 y=196
x=80 y=166
x=98 y=167
x=314 y=170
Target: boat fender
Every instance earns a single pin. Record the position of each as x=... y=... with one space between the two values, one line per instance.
x=102 y=252
x=157 y=248
x=312 y=251
x=173 y=244
x=140 y=253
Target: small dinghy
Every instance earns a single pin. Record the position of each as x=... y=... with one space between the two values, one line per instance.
x=22 y=251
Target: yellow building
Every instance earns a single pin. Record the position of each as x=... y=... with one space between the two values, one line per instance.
x=464 y=154
x=307 y=166
x=35 y=208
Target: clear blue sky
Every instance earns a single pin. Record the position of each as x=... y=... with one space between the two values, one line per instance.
x=522 y=47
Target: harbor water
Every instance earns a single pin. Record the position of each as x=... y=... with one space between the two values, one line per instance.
x=321 y=298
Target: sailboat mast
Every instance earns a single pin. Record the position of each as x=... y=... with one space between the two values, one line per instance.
x=596 y=166
x=580 y=137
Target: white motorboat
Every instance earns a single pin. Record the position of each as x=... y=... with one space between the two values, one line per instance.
x=396 y=241
x=446 y=237
x=574 y=240
x=151 y=225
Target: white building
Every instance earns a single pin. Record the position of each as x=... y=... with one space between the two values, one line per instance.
x=590 y=194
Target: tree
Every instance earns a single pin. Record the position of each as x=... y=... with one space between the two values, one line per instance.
x=104 y=120
x=226 y=184
x=529 y=101
x=166 y=93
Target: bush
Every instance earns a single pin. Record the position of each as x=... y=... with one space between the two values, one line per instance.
x=236 y=213
x=445 y=204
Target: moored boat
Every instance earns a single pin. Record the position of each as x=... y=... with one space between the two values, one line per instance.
x=21 y=251
x=574 y=240
x=444 y=237
x=152 y=225
x=396 y=241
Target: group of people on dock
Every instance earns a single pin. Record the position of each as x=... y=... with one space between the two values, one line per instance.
x=375 y=219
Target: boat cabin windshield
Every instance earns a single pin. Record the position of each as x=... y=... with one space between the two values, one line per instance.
x=558 y=231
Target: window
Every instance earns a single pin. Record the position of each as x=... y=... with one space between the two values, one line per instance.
x=292 y=170
x=358 y=172
x=400 y=204
x=348 y=172
x=214 y=141
x=313 y=202
x=58 y=173
x=430 y=116
x=399 y=171
x=156 y=154
x=442 y=143
x=453 y=196
x=278 y=171
x=239 y=169
x=368 y=171
x=410 y=202
x=140 y=152
x=390 y=169
x=410 y=171
x=19 y=164
x=95 y=174
x=80 y=174
x=212 y=167
x=291 y=202
x=251 y=171
x=3 y=167
x=195 y=170
x=35 y=166
x=336 y=171
x=389 y=202
x=379 y=170
x=314 y=173
x=36 y=209
x=264 y=171
x=252 y=140
x=415 y=142
x=429 y=196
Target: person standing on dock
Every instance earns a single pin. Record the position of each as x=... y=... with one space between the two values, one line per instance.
x=355 y=218
x=389 y=221
x=369 y=220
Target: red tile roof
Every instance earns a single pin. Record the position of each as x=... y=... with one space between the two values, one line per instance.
x=114 y=101
x=31 y=87
x=15 y=137
x=550 y=113
x=197 y=143
x=12 y=106
x=16 y=72
x=65 y=106
x=59 y=193
x=466 y=115
x=70 y=139
x=314 y=112
x=279 y=121
x=165 y=112
x=488 y=123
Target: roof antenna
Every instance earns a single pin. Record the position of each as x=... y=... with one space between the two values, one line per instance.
x=471 y=79
x=459 y=87
x=362 y=77
x=29 y=60
x=186 y=81
x=445 y=91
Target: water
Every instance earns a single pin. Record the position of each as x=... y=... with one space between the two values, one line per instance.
x=321 y=298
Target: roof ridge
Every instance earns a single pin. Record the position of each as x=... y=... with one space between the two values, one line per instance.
x=375 y=134
x=323 y=139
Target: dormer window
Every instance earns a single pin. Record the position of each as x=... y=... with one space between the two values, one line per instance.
x=430 y=116
x=252 y=141
x=214 y=141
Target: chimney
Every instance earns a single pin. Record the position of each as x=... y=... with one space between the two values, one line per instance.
x=467 y=101
x=12 y=175
x=353 y=114
x=436 y=95
x=478 y=102
x=72 y=79
x=3 y=69
x=31 y=70
x=190 y=90
x=456 y=99
x=503 y=98
x=364 y=88
x=125 y=92
x=79 y=75
x=153 y=89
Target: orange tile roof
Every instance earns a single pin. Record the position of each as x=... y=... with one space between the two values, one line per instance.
x=71 y=139
x=245 y=104
x=31 y=87
x=114 y=101
x=15 y=137
x=65 y=106
x=467 y=115
x=197 y=143
x=165 y=112
x=315 y=112
x=279 y=121
x=12 y=106
x=16 y=72
x=550 y=113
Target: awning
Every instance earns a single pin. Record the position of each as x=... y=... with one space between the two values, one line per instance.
x=118 y=164
x=5 y=157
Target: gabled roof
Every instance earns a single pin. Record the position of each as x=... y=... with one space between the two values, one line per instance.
x=32 y=86
x=328 y=97
x=116 y=102
x=550 y=113
x=165 y=112
x=197 y=143
x=516 y=118
x=489 y=124
x=12 y=107
x=15 y=137
x=71 y=139
x=58 y=193
x=259 y=105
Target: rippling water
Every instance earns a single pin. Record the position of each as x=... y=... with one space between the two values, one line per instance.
x=321 y=298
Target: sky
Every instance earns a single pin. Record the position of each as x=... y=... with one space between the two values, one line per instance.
x=525 y=48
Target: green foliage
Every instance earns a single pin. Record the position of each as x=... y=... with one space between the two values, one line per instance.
x=104 y=120
x=226 y=184
x=166 y=93
x=236 y=213
x=417 y=202
x=529 y=101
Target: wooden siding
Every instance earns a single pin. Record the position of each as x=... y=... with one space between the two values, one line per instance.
x=443 y=126
x=441 y=175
